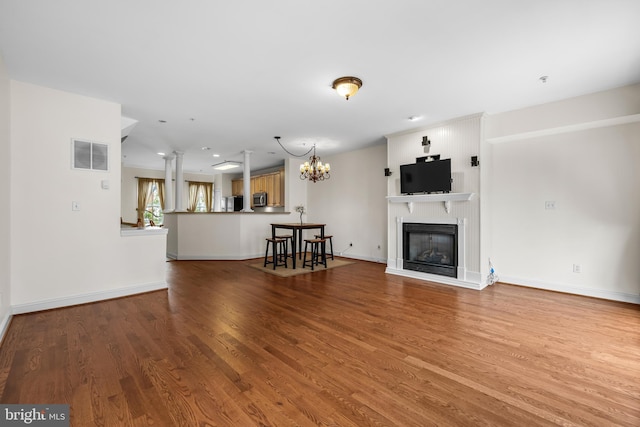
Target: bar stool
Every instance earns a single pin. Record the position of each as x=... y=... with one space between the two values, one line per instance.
x=317 y=252
x=278 y=247
x=288 y=238
x=327 y=237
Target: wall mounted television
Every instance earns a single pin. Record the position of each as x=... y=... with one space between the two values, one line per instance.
x=426 y=177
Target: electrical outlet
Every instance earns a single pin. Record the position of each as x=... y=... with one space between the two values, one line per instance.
x=350 y=244
x=550 y=205
x=577 y=268
x=75 y=206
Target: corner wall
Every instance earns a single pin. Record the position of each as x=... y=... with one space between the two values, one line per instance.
x=59 y=256
x=5 y=194
x=352 y=203
x=575 y=154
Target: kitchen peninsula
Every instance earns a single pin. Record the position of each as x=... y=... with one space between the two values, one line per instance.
x=220 y=235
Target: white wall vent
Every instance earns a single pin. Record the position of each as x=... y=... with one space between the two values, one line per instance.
x=89 y=155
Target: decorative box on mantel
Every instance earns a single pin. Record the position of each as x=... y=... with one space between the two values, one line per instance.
x=447 y=198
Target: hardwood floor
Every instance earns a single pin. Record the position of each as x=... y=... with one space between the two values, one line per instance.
x=352 y=346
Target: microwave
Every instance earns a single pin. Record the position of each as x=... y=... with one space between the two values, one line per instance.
x=259 y=200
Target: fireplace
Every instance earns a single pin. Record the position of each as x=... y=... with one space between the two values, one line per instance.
x=430 y=248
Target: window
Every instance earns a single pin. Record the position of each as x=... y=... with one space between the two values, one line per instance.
x=201 y=205
x=150 y=200
x=200 y=194
x=153 y=209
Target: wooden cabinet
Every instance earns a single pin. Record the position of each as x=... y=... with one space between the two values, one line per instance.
x=272 y=199
x=270 y=183
x=236 y=187
x=259 y=184
x=275 y=188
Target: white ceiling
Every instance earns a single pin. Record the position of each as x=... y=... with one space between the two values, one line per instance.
x=230 y=75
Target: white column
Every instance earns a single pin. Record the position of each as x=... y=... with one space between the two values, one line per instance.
x=179 y=181
x=217 y=192
x=246 y=182
x=168 y=183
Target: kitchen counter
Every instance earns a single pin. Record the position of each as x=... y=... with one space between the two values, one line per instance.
x=220 y=235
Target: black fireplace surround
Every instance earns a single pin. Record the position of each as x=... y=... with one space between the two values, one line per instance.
x=430 y=248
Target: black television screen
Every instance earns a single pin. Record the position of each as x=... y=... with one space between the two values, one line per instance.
x=426 y=177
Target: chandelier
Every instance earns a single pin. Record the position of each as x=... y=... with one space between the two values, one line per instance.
x=314 y=170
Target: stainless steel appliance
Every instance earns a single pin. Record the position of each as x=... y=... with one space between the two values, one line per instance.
x=234 y=204
x=259 y=200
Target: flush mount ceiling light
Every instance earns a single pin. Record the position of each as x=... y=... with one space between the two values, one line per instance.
x=226 y=165
x=347 y=86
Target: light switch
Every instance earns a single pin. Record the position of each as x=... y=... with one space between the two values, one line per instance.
x=75 y=206
x=105 y=184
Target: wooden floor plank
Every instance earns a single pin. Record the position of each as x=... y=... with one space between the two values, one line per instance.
x=229 y=345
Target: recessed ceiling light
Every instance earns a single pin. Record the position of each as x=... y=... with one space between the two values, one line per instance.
x=205 y=148
x=414 y=118
x=216 y=155
x=162 y=121
x=161 y=154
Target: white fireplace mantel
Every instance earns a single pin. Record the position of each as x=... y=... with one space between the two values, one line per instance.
x=447 y=198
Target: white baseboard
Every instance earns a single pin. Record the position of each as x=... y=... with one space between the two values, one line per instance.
x=437 y=278
x=87 y=298
x=4 y=324
x=363 y=258
x=568 y=289
x=255 y=256
x=214 y=257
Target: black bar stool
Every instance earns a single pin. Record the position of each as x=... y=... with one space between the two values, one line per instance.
x=278 y=250
x=318 y=252
x=330 y=239
x=287 y=238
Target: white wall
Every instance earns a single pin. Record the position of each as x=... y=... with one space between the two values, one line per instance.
x=5 y=219
x=352 y=202
x=593 y=177
x=60 y=255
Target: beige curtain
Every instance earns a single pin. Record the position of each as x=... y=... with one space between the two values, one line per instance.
x=145 y=185
x=160 y=184
x=193 y=196
x=144 y=195
x=207 y=193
